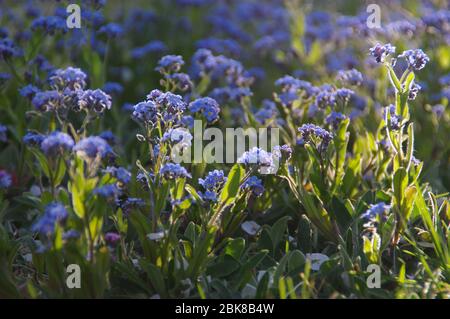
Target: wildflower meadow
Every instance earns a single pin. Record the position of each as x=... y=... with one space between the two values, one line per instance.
x=238 y=149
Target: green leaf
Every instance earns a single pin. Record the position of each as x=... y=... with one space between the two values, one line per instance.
x=399 y=184
x=278 y=231
x=235 y=248
x=231 y=187
x=410 y=148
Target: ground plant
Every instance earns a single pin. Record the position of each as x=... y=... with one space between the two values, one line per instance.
x=224 y=149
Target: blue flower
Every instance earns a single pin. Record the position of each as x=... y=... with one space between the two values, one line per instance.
x=5 y=179
x=53 y=213
x=326 y=98
x=71 y=234
x=266 y=112
x=260 y=158
x=145 y=112
x=8 y=49
x=93 y=147
x=413 y=90
x=46 y=100
x=112 y=30
x=109 y=137
x=3 y=130
x=254 y=184
x=122 y=175
x=128 y=204
x=213 y=181
x=350 y=77
x=172 y=171
x=71 y=78
x=380 y=52
x=169 y=63
x=113 y=88
x=50 y=24
x=334 y=119
x=109 y=191
x=378 y=209
x=416 y=59
x=151 y=47
x=33 y=139
x=56 y=143
x=310 y=131
x=182 y=81
x=343 y=94
x=95 y=100
x=112 y=238
x=208 y=196
x=29 y=91
x=206 y=106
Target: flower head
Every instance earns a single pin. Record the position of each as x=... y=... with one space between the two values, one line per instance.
x=173 y=171
x=46 y=100
x=56 y=143
x=380 y=52
x=53 y=213
x=374 y=210
x=254 y=184
x=169 y=63
x=213 y=181
x=206 y=106
x=93 y=147
x=416 y=59
x=71 y=78
x=5 y=179
x=95 y=100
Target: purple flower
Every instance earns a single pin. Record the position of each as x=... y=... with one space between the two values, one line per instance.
x=71 y=78
x=172 y=171
x=254 y=184
x=109 y=137
x=334 y=119
x=56 y=143
x=380 y=52
x=213 y=181
x=29 y=91
x=122 y=175
x=181 y=80
x=113 y=88
x=93 y=147
x=379 y=209
x=3 y=131
x=145 y=112
x=311 y=131
x=8 y=49
x=5 y=179
x=416 y=59
x=350 y=77
x=152 y=47
x=95 y=100
x=413 y=91
x=33 y=139
x=46 y=100
x=208 y=196
x=109 y=191
x=128 y=204
x=53 y=213
x=112 y=238
x=343 y=94
x=206 y=106
x=262 y=159
x=112 y=30
x=71 y=234
x=169 y=63
x=50 y=24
